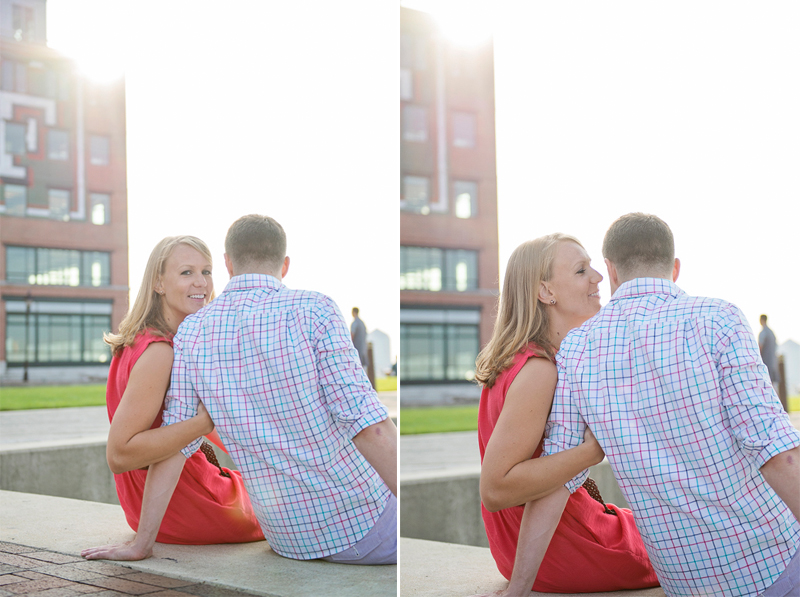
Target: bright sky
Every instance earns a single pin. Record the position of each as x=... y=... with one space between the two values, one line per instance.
x=286 y=109
x=684 y=109
x=688 y=110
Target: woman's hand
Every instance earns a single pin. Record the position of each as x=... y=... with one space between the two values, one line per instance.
x=590 y=441
x=203 y=417
x=124 y=552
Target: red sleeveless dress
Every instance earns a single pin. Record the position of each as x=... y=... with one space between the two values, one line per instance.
x=206 y=507
x=591 y=551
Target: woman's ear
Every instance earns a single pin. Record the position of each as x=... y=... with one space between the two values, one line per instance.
x=545 y=294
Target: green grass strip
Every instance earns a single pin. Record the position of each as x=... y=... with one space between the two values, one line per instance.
x=29 y=397
x=437 y=419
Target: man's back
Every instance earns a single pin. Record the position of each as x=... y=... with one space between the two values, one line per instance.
x=674 y=389
x=277 y=372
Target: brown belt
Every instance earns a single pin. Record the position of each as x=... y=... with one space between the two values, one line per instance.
x=208 y=450
x=591 y=487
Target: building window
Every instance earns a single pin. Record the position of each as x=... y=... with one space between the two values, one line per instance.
x=406 y=84
x=16 y=199
x=416 y=195
x=15 y=138
x=100 y=205
x=21 y=78
x=413 y=52
x=7 y=75
x=99 y=150
x=57 y=267
x=435 y=270
x=58 y=145
x=438 y=345
x=58 y=200
x=466 y=198
x=24 y=25
x=415 y=123
x=464 y=129
x=58 y=332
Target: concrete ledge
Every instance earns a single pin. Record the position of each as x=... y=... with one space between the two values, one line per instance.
x=67 y=526
x=74 y=469
x=446 y=506
x=433 y=569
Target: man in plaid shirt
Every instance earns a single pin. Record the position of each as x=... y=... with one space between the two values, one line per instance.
x=675 y=391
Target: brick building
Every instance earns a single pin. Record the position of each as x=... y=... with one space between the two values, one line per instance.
x=448 y=211
x=63 y=206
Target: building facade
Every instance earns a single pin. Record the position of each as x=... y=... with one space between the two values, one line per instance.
x=63 y=207
x=448 y=211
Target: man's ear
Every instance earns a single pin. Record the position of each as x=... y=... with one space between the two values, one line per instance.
x=676 y=270
x=229 y=265
x=545 y=293
x=285 y=267
x=613 y=276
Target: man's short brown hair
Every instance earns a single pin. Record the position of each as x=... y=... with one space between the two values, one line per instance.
x=639 y=242
x=256 y=240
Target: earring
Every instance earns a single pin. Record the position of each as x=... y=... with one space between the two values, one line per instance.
x=552 y=301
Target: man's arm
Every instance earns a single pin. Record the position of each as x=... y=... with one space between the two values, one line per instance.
x=782 y=472
x=756 y=417
x=162 y=478
x=565 y=426
x=378 y=444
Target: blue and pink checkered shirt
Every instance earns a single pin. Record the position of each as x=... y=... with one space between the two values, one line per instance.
x=675 y=391
x=278 y=373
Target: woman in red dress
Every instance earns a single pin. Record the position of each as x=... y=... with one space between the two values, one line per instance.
x=549 y=288
x=210 y=504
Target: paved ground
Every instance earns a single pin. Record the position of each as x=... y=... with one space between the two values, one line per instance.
x=29 y=428
x=435 y=453
x=35 y=572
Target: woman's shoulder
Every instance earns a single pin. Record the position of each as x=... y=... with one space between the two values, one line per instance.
x=532 y=359
x=141 y=342
x=150 y=336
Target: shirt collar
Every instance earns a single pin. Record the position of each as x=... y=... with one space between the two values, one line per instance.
x=251 y=281
x=641 y=286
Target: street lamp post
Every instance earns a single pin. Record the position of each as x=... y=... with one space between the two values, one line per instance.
x=28 y=304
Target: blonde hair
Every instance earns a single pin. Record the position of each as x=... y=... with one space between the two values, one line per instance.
x=521 y=318
x=147 y=311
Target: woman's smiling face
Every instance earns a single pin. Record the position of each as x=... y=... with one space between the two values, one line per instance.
x=575 y=284
x=186 y=285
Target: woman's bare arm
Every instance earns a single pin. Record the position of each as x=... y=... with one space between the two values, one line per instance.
x=131 y=442
x=162 y=478
x=509 y=477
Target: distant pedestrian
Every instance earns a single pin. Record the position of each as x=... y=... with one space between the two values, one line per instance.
x=768 y=346
x=358 y=333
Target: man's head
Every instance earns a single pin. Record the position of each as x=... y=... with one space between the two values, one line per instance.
x=763 y=320
x=256 y=244
x=355 y=311
x=639 y=245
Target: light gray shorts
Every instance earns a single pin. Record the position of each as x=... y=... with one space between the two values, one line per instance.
x=788 y=583
x=378 y=546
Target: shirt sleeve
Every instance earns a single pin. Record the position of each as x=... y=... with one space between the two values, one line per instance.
x=565 y=426
x=181 y=400
x=345 y=387
x=757 y=419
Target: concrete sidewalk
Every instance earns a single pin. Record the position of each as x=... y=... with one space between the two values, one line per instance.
x=434 y=454
x=41 y=538
x=78 y=425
